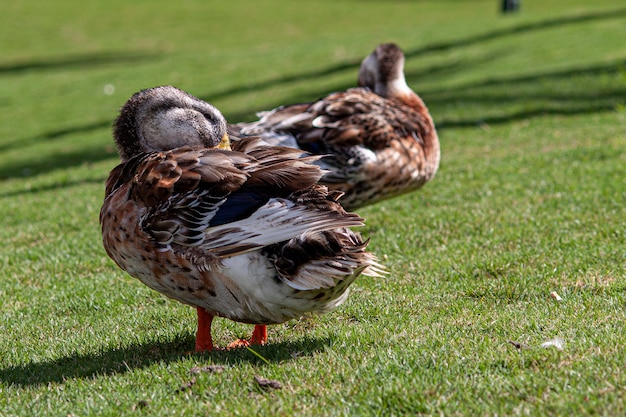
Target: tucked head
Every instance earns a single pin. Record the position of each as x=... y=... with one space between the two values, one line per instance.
x=383 y=71
x=164 y=118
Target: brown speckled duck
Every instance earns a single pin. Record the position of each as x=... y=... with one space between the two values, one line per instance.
x=378 y=140
x=245 y=234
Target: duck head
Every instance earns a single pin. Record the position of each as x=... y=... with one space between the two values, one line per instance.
x=382 y=71
x=164 y=118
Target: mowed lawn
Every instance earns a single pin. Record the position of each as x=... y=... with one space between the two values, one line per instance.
x=506 y=292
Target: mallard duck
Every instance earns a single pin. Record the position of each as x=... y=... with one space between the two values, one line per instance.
x=378 y=140
x=246 y=234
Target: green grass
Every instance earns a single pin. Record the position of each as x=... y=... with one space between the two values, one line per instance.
x=530 y=199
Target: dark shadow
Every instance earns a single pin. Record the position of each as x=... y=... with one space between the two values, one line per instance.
x=499 y=93
x=118 y=361
x=521 y=115
x=54 y=187
x=77 y=61
x=55 y=134
x=57 y=160
x=595 y=70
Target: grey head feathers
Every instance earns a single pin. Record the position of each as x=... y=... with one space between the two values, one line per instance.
x=164 y=118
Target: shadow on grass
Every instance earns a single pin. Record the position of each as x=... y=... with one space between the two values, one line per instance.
x=119 y=361
x=57 y=186
x=55 y=134
x=77 y=61
x=561 y=99
x=57 y=160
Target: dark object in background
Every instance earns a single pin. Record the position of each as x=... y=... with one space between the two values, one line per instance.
x=509 y=6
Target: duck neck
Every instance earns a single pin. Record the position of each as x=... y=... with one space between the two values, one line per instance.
x=428 y=134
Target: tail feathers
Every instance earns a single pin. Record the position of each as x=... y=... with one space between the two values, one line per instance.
x=323 y=260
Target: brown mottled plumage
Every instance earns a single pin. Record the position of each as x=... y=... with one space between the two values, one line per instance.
x=245 y=234
x=378 y=140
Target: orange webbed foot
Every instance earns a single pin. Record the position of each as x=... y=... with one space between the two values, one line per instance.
x=259 y=337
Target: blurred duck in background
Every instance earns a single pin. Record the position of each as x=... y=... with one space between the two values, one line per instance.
x=376 y=141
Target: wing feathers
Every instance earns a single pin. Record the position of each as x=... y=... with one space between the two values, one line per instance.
x=277 y=221
x=185 y=189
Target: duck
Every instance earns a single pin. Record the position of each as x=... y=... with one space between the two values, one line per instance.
x=241 y=231
x=378 y=140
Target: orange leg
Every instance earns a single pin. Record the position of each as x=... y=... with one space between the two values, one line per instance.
x=203 y=337
x=259 y=335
